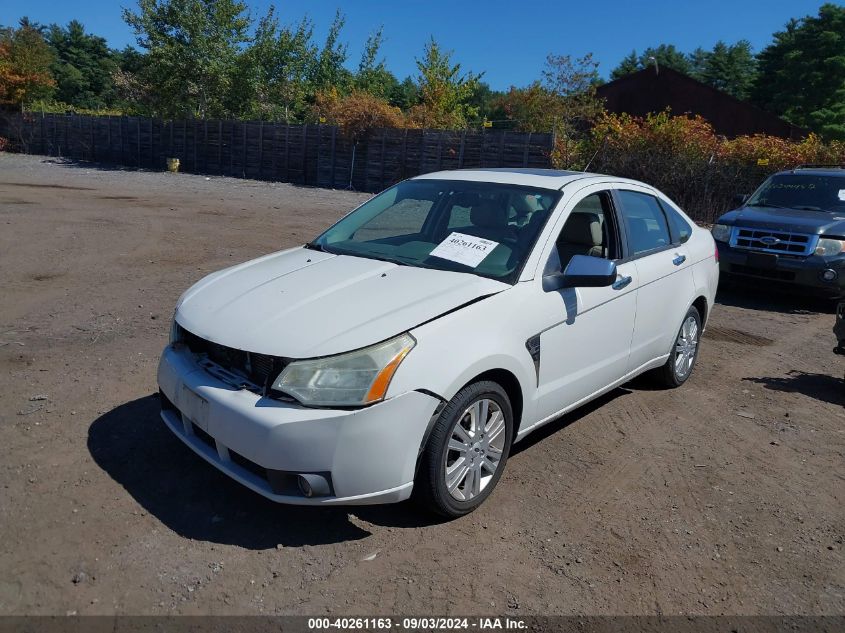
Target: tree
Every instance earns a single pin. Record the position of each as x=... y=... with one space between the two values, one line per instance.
x=445 y=92
x=373 y=76
x=193 y=46
x=83 y=68
x=357 y=113
x=405 y=95
x=698 y=61
x=731 y=69
x=328 y=71
x=273 y=74
x=565 y=101
x=25 y=60
x=529 y=109
x=486 y=101
x=629 y=64
x=802 y=73
x=666 y=55
x=132 y=92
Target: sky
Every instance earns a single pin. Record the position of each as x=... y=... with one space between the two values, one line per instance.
x=507 y=39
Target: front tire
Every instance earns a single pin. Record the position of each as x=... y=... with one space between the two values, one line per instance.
x=466 y=451
x=681 y=361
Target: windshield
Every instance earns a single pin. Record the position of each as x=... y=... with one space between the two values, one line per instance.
x=482 y=228
x=812 y=192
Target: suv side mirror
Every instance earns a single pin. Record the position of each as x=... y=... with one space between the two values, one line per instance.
x=582 y=271
x=740 y=199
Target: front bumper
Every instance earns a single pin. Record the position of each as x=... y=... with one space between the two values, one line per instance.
x=801 y=273
x=369 y=455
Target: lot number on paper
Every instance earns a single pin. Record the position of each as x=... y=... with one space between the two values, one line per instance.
x=464 y=249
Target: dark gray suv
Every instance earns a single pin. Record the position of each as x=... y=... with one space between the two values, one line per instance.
x=790 y=231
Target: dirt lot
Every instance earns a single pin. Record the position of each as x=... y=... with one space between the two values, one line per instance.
x=725 y=496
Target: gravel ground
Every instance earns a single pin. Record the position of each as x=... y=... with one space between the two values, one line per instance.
x=722 y=497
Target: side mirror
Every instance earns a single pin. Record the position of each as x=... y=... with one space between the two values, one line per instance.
x=739 y=199
x=582 y=271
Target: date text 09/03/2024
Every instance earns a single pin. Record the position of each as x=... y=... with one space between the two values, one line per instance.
x=416 y=623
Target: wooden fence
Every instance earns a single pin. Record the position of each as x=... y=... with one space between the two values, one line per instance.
x=316 y=155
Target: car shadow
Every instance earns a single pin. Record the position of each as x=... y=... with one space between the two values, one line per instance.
x=195 y=500
x=567 y=419
x=771 y=299
x=821 y=387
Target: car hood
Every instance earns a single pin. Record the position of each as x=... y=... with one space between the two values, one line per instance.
x=303 y=303
x=795 y=220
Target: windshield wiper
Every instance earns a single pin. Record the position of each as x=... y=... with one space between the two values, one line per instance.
x=763 y=204
x=313 y=246
x=807 y=207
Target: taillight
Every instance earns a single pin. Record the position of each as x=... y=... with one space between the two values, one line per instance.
x=716 y=253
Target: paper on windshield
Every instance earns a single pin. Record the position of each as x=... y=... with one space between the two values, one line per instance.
x=468 y=250
x=842 y=194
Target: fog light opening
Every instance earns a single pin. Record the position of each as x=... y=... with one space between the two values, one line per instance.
x=312 y=485
x=829 y=275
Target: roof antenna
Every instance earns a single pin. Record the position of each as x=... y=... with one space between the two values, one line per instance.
x=596 y=153
x=652 y=58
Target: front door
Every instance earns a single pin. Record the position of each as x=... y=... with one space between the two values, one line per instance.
x=586 y=344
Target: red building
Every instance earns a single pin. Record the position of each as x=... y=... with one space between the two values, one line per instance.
x=649 y=90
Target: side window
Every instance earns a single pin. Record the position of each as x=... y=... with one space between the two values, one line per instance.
x=588 y=230
x=681 y=229
x=645 y=222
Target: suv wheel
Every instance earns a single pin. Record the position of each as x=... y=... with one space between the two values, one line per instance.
x=466 y=451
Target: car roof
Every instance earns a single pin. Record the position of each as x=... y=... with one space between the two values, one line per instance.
x=815 y=170
x=541 y=178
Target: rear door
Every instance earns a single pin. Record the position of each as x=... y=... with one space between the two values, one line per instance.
x=657 y=247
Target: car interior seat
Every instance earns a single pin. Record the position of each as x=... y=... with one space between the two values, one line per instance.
x=581 y=235
x=489 y=219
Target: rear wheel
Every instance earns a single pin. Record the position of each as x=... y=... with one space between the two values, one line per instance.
x=467 y=450
x=681 y=361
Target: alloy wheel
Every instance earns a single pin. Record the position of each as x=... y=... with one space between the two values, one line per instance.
x=474 y=453
x=686 y=347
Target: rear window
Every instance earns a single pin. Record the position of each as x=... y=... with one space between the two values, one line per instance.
x=645 y=222
x=681 y=230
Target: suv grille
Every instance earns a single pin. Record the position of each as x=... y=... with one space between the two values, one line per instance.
x=769 y=241
x=248 y=370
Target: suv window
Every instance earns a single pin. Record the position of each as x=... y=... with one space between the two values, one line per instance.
x=588 y=230
x=681 y=230
x=811 y=192
x=645 y=222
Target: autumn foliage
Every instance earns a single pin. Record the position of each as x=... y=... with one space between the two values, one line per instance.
x=24 y=66
x=685 y=158
x=357 y=113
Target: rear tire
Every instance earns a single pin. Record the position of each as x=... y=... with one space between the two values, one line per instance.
x=681 y=361
x=467 y=450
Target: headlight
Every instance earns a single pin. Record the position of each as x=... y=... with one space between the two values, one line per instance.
x=828 y=248
x=721 y=232
x=356 y=378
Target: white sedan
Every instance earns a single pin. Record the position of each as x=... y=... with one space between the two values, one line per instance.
x=409 y=346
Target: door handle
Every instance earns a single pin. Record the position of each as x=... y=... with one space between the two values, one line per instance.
x=680 y=259
x=621 y=283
